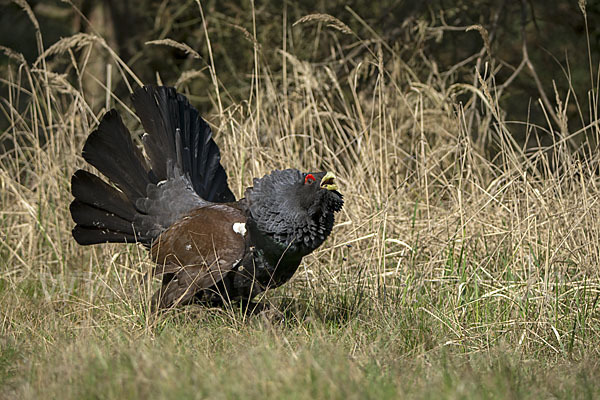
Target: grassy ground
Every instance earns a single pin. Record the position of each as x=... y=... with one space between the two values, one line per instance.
x=462 y=266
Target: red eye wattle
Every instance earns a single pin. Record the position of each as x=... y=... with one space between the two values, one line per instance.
x=309 y=179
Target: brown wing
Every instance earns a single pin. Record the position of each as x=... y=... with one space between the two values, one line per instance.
x=198 y=250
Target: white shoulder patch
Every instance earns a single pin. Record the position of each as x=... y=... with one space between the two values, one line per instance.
x=240 y=227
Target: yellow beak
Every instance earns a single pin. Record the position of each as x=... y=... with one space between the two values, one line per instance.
x=328 y=182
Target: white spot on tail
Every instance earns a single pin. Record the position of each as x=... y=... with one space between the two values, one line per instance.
x=159 y=184
x=188 y=247
x=240 y=227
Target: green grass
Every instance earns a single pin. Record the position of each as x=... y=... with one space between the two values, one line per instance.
x=200 y=354
x=459 y=268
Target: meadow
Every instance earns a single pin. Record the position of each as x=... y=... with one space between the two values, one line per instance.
x=465 y=263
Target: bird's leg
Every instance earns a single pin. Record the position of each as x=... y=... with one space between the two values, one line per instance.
x=252 y=308
x=262 y=309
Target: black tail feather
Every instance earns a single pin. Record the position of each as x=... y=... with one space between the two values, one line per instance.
x=90 y=189
x=156 y=119
x=88 y=216
x=102 y=212
x=111 y=150
x=177 y=132
x=183 y=171
x=85 y=236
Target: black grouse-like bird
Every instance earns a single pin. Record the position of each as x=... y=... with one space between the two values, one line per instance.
x=207 y=246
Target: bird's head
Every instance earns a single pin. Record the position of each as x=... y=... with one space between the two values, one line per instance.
x=295 y=208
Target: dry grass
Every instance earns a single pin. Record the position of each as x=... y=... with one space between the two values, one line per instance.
x=450 y=272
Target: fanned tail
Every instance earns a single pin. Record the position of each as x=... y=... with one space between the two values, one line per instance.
x=177 y=132
x=102 y=212
x=182 y=172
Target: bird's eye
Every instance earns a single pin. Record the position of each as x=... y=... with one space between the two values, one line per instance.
x=309 y=179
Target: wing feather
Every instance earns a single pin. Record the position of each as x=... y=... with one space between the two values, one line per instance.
x=199 y=250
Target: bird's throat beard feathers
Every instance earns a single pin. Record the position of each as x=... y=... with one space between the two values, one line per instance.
x=277 y=212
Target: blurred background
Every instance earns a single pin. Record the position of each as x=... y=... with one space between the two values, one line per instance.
x=526 y=45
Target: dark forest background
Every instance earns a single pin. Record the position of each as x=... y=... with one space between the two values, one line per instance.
x=536 y=50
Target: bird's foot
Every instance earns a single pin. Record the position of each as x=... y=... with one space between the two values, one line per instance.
x=272 y=315
x=265 y=311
